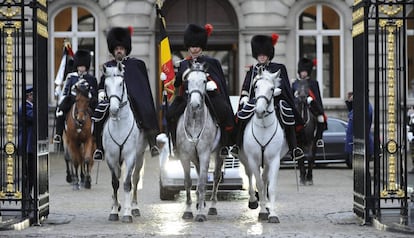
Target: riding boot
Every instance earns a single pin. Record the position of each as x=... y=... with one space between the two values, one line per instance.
x=97 y=133
x=319 y=131
x=297 y=153
x=229 y=146
x=151 y=134
x=60 y=124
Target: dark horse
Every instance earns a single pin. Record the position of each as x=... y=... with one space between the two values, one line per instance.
x=308 y=140
x=78 y=139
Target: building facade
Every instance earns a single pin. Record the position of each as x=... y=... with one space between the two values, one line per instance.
x=320 y=30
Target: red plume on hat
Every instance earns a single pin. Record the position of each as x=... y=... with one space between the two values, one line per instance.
x=275 y=38
x=131 y=30
x=209 y=28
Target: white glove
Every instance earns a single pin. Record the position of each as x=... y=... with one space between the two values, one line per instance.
x=101 y=96
x=211 y=86
x=321 y=119
x=243 y=100
x=309 y=99
x=59 y=112
x=58 y=90
x=163 y=76
x=277 y=92
x=73 y=90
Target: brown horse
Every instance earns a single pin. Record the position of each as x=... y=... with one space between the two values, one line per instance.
x=78 y=138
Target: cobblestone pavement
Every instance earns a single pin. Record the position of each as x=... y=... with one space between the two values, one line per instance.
x=322 y=210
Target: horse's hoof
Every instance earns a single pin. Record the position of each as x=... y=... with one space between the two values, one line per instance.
x=212 y=211
x=127 y=219
x=273 y=219
x=302 y=182
x=187 y=215
x=263 y=216
x=68 y=178
x=310 y=182
x=113 y=217
x=253 y=205
x=200 y=218
x=135 y=212
x=88 y=185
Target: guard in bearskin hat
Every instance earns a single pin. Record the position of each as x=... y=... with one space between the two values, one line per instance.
x=138 y=88
x=305 y=67
x=81 y=62
x=263 y=51
x=195 y=40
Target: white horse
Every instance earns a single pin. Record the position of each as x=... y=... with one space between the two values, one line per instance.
x=124 y=144
x=198 y=136
x=264 y=144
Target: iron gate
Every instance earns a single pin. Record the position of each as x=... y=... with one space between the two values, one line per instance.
x=23 y=62
x=380 y=185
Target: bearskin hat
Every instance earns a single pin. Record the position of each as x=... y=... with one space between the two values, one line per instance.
x=119 y=36
x=82 y=58
x=262 y=44
x=196 y=36
x=305 y=64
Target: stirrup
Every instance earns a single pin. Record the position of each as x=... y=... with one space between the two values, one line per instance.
x=320 y=143
x=57 y=139
x=98 y=155
x=297 y=153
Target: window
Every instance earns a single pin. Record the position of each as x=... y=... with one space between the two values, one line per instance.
x=78 y=26
x=319 y=33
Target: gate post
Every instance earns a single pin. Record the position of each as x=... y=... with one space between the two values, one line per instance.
x=40 y=82
x=360 y=163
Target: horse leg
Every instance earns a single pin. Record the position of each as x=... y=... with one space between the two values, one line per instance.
x=263 y=214
x=68 y=168
x=135 y=179
x=116 y=173
x=311 y=162
x=272 y=189
x=88 y=162
x=201 y=190
x=188 y=214
x=129 y=168
x=302 y=170
x=217 y=178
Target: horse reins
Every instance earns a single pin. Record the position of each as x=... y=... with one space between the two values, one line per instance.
x=263 y=147
x=121 y=105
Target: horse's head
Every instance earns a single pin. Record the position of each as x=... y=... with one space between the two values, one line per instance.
x=302 y=91
x=196 y=78
x=83 y=96
x=265 y=88
x=115 y=87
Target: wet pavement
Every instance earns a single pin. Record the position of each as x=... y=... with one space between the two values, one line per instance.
x=321 y=210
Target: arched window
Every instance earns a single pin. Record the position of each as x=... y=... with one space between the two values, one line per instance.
x=320 y=37
x=78 y=26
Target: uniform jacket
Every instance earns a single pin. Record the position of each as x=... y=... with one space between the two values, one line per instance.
x=139 y=91
x=314 y=87
x=28 y=121
x=73 y=78
x=213 y=69
x=350 y=134
x=286 y=94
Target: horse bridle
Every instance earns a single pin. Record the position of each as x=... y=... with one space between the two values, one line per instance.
x=197 y=138
x=267 y=99
x=121 y=103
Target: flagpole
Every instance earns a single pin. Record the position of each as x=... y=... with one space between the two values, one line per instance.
x=163 y=77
